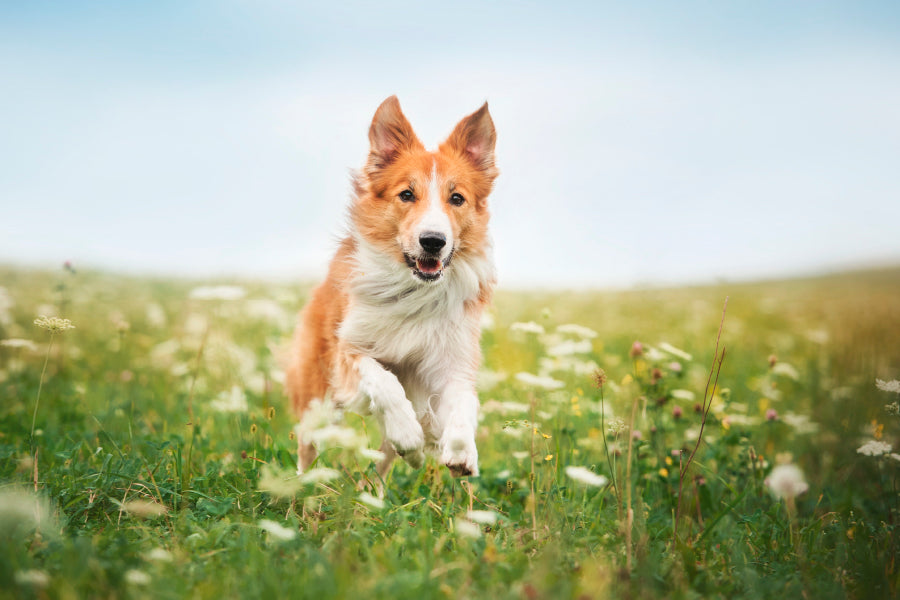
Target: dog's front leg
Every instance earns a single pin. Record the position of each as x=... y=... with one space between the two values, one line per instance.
x=458 y=413
x=369 y=388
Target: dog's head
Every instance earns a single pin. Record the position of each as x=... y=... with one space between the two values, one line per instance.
x=425 y=208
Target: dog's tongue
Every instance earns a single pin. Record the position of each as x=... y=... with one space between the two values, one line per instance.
x=428 y=265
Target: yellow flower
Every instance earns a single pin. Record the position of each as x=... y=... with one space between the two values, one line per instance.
x=669 y=460
x=627 y=379
x=548 y=457
x=664 y=472
x=546 y=436
x=253 y=429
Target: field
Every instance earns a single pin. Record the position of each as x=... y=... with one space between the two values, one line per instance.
x=148 y=451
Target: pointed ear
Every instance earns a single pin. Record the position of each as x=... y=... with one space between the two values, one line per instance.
x=474 y=137
x=390 y=134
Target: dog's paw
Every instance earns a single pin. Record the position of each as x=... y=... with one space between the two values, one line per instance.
x=459 y=452
x=405 y=434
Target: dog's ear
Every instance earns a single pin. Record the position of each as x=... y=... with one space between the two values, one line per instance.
x=475 y=137
x=390 y=134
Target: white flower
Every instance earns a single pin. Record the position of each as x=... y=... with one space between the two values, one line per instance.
x=218 y=292
x=519 y=455
x=569 y=347
x=586 y=476
x=547 y=383
x=466 y=528
x=504 y=408
x=53 y=324
x=278 y=483
x=233 y=400
x=577 y=331
x=667 y=347
x=783 y=368
x=786 y=482
x=372 y=454
x=277 y=531
x=19 y=343
x=265 y=309
x=319 y=475
x=527 y=327
x=332 y=436
x=482 y=517
x=32 y=577
x=617 y=426
x=159 y=555
x=686 y=395
x=801 y=423
x=156 y=315
x=371 y=501
x=874 y=448
x=888 y=386
x=489 y=379
x=136 y=577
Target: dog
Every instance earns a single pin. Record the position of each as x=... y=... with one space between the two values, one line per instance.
x=394 y=329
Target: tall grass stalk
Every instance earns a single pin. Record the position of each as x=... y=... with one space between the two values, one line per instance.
x=716 y=367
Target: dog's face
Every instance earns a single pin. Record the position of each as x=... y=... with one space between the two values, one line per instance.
x=425 y=208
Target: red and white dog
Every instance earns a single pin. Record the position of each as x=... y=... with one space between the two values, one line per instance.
x=394 y=329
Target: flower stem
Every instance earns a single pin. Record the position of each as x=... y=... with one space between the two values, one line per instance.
x=40 y=387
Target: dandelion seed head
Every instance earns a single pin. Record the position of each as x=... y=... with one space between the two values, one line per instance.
x=786 y=482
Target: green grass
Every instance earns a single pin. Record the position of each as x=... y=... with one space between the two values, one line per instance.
x=127 y=413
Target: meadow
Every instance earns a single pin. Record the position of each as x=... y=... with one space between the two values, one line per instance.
x=626 y=449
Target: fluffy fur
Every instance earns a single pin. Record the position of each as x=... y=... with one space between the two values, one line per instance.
x=393 y=331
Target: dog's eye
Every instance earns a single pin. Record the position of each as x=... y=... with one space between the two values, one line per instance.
x=457 y=199
x=407 y=196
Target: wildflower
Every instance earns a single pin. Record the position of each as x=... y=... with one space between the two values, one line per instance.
x=217 y=292
x=787 y=370
x=159 y=555
x=663 y=472
x=786 y=482
x=600 y=378
x=466 y=528
x=569 y=347
x=19 y=343
x=372 y=454
x=319 y=475
x=547 y=383
x=520 y=455
x=33 y=578
x=617 y=426
x=686 y=395
x=874 y=448
x=144 y=509
x=888 y=386
x=636 y=434
x=773 y=360
x=136 y=577
x=637 y=350
x=667 y=347
x=253 y=429
x=586 y=476
x=482 y=517
x=549 y=457
x=893 y=408
x=801 y=423
x=54 y=324
x=527 y=327
x=371 y=501
x=233 y=400
x=676 y=412
x=277 y=531
x=771 y=415
x=655 y=375
x=577 y=331
x=675 y=366
x=277 y=483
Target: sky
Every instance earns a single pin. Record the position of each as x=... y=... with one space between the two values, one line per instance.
x=639 y=143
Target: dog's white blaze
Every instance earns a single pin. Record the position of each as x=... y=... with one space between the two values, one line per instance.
x=435 y=218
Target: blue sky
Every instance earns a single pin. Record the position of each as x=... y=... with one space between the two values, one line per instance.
x=638 y=142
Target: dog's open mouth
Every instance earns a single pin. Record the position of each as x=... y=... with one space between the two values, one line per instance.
x=427 y=268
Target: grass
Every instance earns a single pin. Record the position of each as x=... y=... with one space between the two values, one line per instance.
x=162 y=450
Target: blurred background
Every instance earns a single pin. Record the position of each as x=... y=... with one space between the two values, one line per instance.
x=644 y=143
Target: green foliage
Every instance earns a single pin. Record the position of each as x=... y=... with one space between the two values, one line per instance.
x=162 y=458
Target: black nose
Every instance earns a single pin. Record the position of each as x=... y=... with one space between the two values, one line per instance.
x=432 y=241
